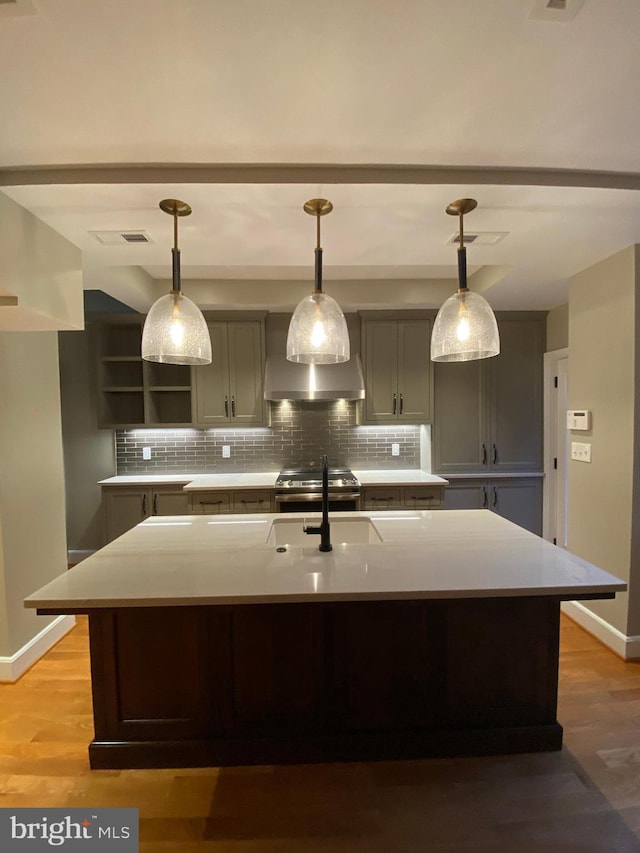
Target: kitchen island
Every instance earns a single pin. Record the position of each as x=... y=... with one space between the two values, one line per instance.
x=234 y=640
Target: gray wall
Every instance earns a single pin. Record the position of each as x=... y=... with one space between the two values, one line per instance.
x=299 y=433
x=32 y=513
x=558 y=328
x=602 y=377
x=89 y=453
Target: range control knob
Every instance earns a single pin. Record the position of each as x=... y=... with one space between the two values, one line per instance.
x=290 y=483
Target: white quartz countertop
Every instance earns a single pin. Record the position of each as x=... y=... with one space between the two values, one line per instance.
x=209 y=560
x=193 y=482
x=201 y=482
x=407 y=477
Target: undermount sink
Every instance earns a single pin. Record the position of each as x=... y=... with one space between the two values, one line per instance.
x=352 y=531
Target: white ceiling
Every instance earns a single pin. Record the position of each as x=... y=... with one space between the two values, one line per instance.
x=545 y=112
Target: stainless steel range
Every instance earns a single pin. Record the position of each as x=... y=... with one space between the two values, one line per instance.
x=300 y=490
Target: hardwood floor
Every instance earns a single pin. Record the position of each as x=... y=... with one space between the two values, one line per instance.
x=584 y=798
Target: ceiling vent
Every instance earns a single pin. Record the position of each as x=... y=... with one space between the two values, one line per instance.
x=479 y=238
x=561 y=11
x=119 y=238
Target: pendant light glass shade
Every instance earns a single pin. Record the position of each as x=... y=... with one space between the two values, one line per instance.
x=465 y=329
x=175 y=332
x=318 y=331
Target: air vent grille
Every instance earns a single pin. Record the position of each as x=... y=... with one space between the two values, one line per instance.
x=119 y=238
x=479 y=238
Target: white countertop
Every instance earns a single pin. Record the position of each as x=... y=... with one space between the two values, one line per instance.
x=204 y=560
x=197 y=482
x=408 y=477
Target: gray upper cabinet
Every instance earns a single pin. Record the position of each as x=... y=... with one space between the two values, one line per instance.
x=488 y=414
x=398 y=371
x=229 y=391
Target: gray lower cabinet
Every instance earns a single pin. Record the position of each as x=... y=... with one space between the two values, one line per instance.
x=518 y=499
x=124 y=507
x=402 y=497
x=488 y=414
x=215 y=502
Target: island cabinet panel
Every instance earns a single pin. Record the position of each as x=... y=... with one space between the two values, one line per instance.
x=388 y=660
x=502 y=662
x=518 y=499
x=277 y=676
x=282 y=683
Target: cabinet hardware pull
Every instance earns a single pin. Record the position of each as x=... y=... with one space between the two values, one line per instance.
x=155 y=504
x=495 y=454
x=484 y=454
x=210 y=503
x=395 y=404
x=495 y=497
x=144 y=505
x=226 y=406
x=233 y=407
x=485 y=498
x=401 y=403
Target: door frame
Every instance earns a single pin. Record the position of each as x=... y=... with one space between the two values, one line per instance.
x=551 y=415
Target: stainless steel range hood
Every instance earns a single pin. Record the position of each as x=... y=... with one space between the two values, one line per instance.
x=286 y=380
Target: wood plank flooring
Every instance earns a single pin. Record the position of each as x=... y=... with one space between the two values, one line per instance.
x=585 y=798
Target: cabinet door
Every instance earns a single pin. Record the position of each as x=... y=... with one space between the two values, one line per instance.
x=383 y=498
x=246 y=367
x=213 y=403
x=123 y=509
x=466 y=494
x=422 y=497
x=519 y=500
x=211 y=502
x=460 y=427
x=381 y=370
x=516 y=397
x=169 y=502
x=252 y=500
x=414 y=371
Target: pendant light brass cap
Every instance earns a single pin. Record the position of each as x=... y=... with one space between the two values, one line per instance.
x=318 y=206
x=461 y=206
x=175 y=207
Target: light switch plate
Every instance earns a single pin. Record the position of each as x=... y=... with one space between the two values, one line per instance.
x=580 y=451
x=395 y=449
x=226 y=451
x=146 y=453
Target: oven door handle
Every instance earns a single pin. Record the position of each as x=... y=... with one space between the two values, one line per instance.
x=316 y=496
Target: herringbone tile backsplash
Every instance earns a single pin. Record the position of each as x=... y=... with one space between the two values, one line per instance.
x=299 y=434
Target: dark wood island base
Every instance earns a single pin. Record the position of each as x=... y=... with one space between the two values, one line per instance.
x=187 y=686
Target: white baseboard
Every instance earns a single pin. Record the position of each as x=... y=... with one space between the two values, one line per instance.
x=78 y=556
x=11 y=668
x=628 y=648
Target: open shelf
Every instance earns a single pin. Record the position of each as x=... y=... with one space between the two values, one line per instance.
x=169 y=407
x=122 y=407
x=167 y=375
x=121 y=374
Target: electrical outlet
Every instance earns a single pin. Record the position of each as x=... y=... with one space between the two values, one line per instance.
x=146 y=453
x=580 y=452
x=395 y=449
x=226 y=451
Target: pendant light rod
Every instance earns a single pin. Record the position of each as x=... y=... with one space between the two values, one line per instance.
x=174 y=207
x=459 y=208
x=318 y=207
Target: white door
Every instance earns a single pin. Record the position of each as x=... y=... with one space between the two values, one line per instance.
x=556 y=449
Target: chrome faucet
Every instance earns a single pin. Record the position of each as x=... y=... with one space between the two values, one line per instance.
x=324 y=529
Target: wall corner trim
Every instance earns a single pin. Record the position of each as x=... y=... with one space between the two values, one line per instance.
x=11 y=668
x=626 y=647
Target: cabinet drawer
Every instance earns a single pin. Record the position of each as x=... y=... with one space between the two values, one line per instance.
x=252 y=501
x=422 y=497
x=210 y=503
x=383 y=498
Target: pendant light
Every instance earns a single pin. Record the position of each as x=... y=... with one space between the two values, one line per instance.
x=318 y=331
x=175 y=332
x=465 y=328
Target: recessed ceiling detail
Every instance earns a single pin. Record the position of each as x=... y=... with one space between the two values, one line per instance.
x=479 y=238
x=119 y=238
